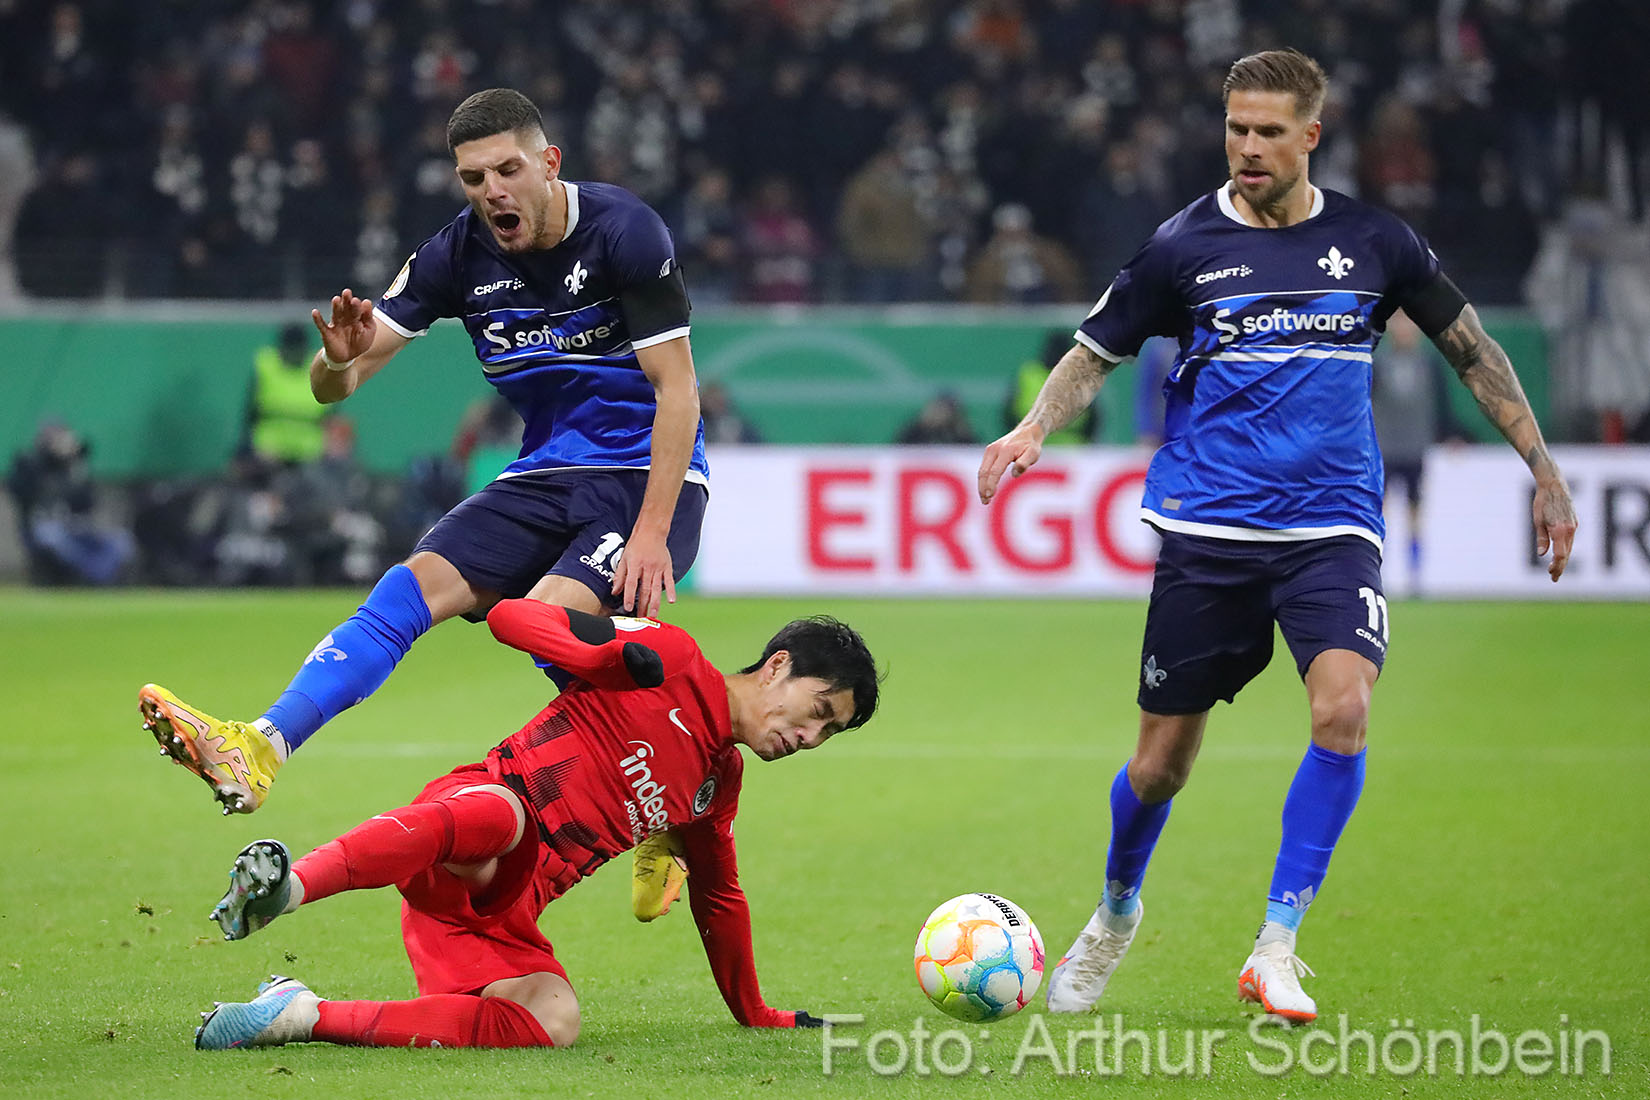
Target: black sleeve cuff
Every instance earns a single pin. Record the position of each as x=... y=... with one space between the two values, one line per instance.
x=590 y=629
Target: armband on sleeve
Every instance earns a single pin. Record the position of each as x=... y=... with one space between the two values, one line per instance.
x=1435 y=306
x=656 y=309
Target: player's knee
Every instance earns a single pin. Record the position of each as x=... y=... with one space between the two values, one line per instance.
x=1158 y=779
x=1164 y=755
x=560 y=1023
x=446 y=593
x=1340 y=717
x=549 y=999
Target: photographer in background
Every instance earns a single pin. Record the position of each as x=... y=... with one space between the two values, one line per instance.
x=51 y=485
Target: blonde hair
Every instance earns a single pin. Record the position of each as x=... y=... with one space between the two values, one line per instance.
x=1279 y=71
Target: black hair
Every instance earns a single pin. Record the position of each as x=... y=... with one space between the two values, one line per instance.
x=494 y=111
x=830 y=650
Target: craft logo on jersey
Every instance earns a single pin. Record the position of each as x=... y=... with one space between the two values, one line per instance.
x=1335 y=264
x=1224 y=273
x=575 y=279
x=703 y=796
x=650 y=795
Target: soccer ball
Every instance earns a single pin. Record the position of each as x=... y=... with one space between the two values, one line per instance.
x=979 y=957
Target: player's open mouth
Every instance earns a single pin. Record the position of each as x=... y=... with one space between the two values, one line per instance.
x=507 y=223
x=1253 y=176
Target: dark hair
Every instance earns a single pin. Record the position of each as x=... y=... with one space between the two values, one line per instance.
x=833 y=651
x=494 y=111
x=1279 y=71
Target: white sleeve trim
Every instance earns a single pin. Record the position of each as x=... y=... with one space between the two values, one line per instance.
x=659 y=338
x=394 y=327
x=1089 y=342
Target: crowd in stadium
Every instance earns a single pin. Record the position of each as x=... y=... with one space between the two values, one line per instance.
x=861 y=150
x=1005 y=151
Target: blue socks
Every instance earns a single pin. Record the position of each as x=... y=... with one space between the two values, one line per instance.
x=352 y=662
x=1319 y=804
x=1317 y=808
x=1135 y=827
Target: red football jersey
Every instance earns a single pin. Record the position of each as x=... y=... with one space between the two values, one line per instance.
x=608 y=763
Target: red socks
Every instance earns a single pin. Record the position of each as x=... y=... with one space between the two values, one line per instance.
x=393 y=847
x=442 y=1019
x=397 y=845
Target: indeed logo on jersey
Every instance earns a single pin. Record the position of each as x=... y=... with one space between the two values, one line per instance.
x=650 y=796
x=544 y=336
x=1280 y=320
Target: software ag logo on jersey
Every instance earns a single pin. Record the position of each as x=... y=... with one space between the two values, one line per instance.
x=1278 y=320
x=581 y=332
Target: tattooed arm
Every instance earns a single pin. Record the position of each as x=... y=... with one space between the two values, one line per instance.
x=1488 y=373
x=1071 y=386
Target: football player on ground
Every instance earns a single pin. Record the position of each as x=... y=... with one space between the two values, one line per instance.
x=1267 y=490
x=645 y=739
x=575 y=304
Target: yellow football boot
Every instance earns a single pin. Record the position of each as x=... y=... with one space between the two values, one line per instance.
x=235 y=758
x=661 y=872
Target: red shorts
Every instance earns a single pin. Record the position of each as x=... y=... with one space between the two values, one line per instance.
x=460 y=941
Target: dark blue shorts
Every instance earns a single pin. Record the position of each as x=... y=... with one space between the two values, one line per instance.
x=1209 y=625
x=571 y=523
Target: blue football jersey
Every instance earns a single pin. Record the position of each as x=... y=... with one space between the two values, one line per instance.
x=549 y=329
x=1269 y=432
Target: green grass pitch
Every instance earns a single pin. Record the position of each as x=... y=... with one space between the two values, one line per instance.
x=1496 y=866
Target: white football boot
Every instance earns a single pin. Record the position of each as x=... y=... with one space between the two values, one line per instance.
x=1271 y=977
x=284 y=1011
x=1078 y=979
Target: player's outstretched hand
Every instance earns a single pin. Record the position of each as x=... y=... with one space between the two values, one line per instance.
x=643 y=571
x=804 y=1019
x=350 y=332
x=1013 y=454
x=1555 y=523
